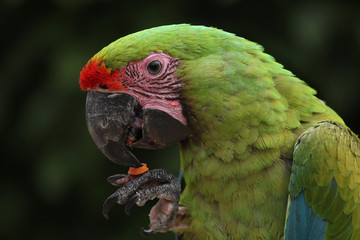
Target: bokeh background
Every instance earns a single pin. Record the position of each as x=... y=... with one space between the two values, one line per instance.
x=53 y=178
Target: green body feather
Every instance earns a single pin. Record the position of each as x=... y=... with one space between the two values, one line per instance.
x=245 y=112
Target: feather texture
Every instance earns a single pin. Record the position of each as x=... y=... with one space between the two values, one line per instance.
x=326 y=171
x=245 y=113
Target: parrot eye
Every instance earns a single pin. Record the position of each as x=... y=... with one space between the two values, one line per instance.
x=154 y=67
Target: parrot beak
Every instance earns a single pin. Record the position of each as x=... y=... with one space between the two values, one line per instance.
x=160 y=130
x=108 y=116
x=117 y=119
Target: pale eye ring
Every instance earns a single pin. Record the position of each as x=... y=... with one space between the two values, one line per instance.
x=154 y=67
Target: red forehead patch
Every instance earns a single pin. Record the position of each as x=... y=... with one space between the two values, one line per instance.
x=95 y=73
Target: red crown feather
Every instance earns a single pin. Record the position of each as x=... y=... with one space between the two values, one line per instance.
x=95 y=73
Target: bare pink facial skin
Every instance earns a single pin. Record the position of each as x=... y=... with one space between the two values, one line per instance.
x=160 y=91
x=157 y=91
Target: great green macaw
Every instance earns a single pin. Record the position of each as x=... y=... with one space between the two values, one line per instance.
x=262 y=157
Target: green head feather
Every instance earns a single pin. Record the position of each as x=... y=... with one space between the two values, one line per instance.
x=181 y=41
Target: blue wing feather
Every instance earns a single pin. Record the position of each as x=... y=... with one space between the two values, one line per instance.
x=302 y=223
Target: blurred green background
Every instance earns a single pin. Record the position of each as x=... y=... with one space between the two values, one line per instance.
x=53 y=178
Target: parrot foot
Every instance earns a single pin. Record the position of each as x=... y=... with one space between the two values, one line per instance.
x=156 y=183
x=180 y=221
x=177 y=223
x=120 y=179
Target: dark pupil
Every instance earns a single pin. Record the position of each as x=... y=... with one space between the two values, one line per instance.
x=154 y=67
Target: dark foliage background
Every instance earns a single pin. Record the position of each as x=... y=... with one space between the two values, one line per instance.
x=53 y=178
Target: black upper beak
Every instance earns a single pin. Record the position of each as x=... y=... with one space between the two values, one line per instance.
x=111 y=121
x=108 y=117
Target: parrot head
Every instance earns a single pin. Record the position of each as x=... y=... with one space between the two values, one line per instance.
x=156 y=87
x=134 y=96
x=137 y=105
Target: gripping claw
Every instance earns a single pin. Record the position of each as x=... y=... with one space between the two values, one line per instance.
x=130 y=204
x=147 y=232
x=113 y=179
x=109 y=202
x=140 y=188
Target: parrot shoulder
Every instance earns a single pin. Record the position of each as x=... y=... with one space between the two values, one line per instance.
x=324 y=201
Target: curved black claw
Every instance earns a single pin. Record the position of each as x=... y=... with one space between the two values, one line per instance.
x=109 y=202
x=130 y=204
x=147 y=232
x=112 y=179
x=156 y=183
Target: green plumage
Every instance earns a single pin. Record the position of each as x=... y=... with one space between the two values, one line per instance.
x=245 y=112
x=327 y=167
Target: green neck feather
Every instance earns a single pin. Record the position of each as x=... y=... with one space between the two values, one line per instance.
x=245 y=112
